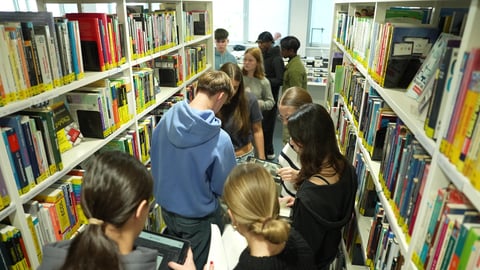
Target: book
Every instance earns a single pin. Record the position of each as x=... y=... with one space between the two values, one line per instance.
x=68 y=131
x=102 y=26
x=52 y=54
x=31 y=58
x=473 y=236
x=91 y=44
x=46 y=123
x=468 y=115
x=13 y=147
x=54 y=199
x=64 y=49
x=15 y=122
x=406 y=48
x=88 y=109
x=439 y=88
x=421 y=85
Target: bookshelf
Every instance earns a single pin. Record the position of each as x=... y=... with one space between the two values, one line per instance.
x=442 y=172
x=186 y=39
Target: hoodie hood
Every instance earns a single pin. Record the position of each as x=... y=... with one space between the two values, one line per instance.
x=190 y=127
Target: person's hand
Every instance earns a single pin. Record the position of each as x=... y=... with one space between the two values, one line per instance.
x=288 y=174
x=188 y=265
x=287 y=201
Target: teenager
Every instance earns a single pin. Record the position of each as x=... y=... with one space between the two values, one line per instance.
x=295 y=73
x=274 y=67
x=242 y=118
x=222 y=55
x=291 y=100
x=191 y=156
x=327 y=182
x=115 y=195
x=251 y=197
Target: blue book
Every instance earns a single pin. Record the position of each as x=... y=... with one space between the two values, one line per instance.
x=14 y=121
x=73 y=47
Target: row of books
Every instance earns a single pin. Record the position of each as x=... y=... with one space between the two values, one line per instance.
x=461 y=138
x=151 y=32
x=45 y=52
x=13 y=254
x=32 y=144
x=451 y=233
x=195 y=59
x=169 y=70
x=197 y=23
x=55 y=212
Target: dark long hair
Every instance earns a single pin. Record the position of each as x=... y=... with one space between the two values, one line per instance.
x=113 y=186
x=238 y=105
x=312 y=127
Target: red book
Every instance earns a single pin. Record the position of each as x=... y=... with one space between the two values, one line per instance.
x=103 y=27
x=91 y=44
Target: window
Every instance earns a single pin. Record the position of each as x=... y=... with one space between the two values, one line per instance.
x=321 y=19
x=245 y=19
x=18 y=5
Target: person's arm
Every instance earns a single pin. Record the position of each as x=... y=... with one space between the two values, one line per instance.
x=266 y=102
x=223 y=163
x=278 y=68
x=258 y=139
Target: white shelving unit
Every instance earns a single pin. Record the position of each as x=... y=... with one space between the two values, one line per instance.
x=89 y=146
x=442 y=172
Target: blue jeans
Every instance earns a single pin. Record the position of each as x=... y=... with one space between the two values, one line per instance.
x=195 y=230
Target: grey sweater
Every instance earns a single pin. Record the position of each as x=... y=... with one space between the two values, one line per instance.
x=141 y=258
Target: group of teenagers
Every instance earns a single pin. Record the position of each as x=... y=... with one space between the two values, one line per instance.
x=198 y=169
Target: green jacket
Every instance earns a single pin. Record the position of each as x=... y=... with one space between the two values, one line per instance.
x=295 y=74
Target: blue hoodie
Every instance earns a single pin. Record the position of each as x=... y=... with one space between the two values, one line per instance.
x=191 y=158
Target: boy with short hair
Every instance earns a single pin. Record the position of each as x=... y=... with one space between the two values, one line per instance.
x=191 y=157
x=222 y=55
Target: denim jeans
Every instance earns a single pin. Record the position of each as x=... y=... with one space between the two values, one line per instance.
x=196 y=230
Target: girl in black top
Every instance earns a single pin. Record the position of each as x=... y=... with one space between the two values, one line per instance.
x=326 y=183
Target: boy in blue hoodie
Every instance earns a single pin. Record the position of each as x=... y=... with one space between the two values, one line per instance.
x=191 y=157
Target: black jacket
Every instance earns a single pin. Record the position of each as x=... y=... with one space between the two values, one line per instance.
x=274 y=67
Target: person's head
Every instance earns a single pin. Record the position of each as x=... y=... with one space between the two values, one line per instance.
x=265 y=41
x=289 y=46
x=312 y=135
x=291 y=100
x=216 y=84
x=252 y=200
x=238 y=105
x=221 y=39
x=277 y=36
x=115 y=195
x=253 y=63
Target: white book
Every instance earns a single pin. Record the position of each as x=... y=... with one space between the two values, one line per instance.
x=44 y=60
x=5 y=67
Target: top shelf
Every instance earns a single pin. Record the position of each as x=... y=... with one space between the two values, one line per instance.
x=397 y=100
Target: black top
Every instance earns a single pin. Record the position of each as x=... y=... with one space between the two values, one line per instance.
x=296 y=255
x=274 y=67
x=320 y=212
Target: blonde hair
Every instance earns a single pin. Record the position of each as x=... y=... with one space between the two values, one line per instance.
x=295 y=97
x=257 y=54
x=251 y=195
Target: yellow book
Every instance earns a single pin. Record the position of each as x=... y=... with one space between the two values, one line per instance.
x=469 y=109
x=33 y=232
x=56 y=197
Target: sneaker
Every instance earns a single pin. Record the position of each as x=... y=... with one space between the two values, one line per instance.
x=271 y=157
